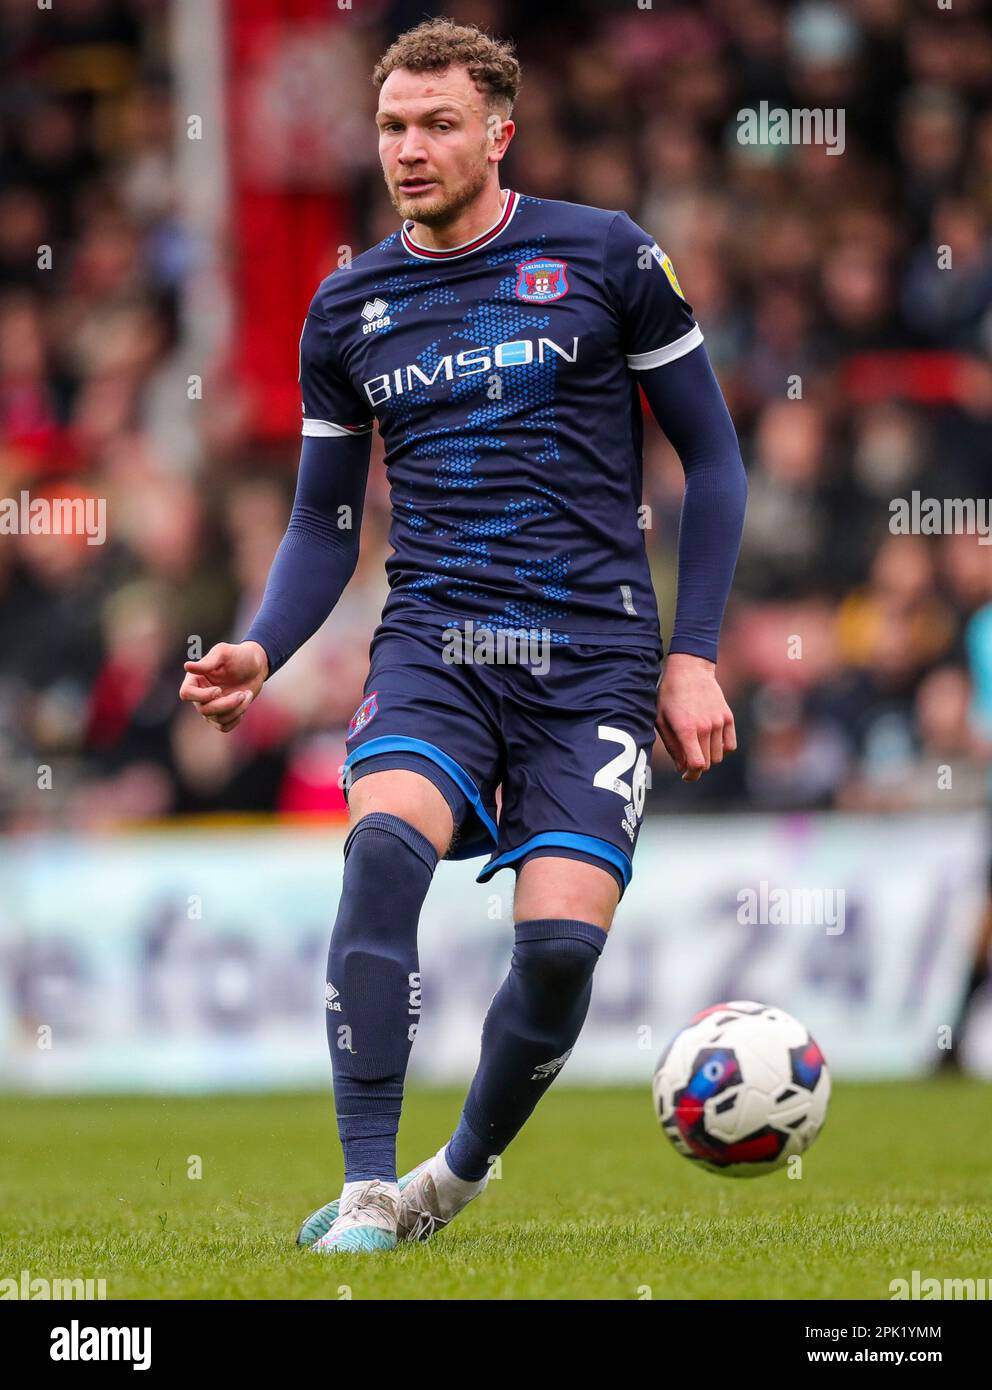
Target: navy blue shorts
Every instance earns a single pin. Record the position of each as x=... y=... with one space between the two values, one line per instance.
x=567 y=751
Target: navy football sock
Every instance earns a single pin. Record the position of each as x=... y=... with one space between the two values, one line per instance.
x=373 y=987
x=532 y=1024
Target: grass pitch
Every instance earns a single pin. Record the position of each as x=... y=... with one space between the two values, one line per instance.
x=592 y=1202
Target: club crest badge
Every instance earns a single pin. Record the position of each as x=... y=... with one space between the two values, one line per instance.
x=538 y=282
x=363 y=715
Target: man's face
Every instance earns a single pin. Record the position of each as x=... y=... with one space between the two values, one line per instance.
x=435 y=144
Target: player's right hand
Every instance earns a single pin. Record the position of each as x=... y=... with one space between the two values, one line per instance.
x=223 y=683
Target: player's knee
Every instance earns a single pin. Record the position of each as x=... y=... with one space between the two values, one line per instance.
x=383 y=842
x=388 y=869
x=408 y=797
x=558 y=968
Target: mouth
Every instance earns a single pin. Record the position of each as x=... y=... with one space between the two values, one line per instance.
x=412 y=186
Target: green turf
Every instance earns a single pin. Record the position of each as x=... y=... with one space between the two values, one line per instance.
x=592 y=1202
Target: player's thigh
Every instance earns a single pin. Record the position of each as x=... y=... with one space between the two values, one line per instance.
x=423 y=744
x=567 y=889
x=579 y=741
x=408 y=795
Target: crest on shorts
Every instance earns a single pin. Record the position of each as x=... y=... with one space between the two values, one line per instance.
x=540 y=281
x=363 y=715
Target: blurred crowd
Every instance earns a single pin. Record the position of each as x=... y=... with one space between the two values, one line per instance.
x=855 y=360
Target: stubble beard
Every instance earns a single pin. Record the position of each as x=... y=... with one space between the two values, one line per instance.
x=443 y=207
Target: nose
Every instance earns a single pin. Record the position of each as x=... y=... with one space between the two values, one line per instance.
x=411 y=150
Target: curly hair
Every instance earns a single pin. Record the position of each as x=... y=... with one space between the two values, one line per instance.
x=438 y=43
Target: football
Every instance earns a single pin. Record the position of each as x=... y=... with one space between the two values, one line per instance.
x=741 y=1089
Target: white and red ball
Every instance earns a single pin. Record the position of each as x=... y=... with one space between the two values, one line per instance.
x=741 y=1089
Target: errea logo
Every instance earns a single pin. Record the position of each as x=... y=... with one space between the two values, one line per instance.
x=373 y=311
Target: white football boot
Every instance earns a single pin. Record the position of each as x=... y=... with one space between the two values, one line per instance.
x=430 y=1196
x=365 y=1220
x=433 y=1197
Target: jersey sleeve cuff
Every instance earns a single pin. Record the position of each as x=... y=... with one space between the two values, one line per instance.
x=693 y=646
x=644 y=361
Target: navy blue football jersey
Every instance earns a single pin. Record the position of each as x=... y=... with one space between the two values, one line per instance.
x=503 y=377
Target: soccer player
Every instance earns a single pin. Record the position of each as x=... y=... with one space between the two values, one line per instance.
x=500 y=341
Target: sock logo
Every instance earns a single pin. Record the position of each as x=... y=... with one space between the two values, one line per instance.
x=414 y=1004
x=330 y=998
x=547 y=1070
x=413 y=980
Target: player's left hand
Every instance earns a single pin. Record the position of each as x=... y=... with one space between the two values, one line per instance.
x=694 y=720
